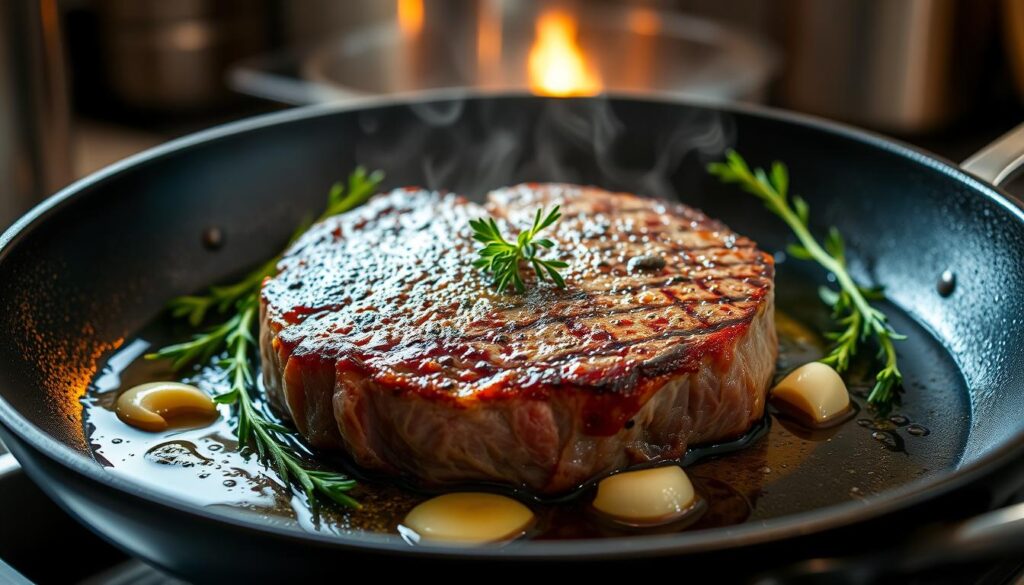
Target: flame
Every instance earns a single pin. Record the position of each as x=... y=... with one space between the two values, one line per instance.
x=410 y=16
x=557 y=65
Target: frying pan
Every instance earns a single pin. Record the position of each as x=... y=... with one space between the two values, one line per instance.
x=91 y=265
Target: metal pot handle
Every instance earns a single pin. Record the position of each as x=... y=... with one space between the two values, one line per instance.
x=8 y=464
x=1000 y=161
x=991 y=535
x=997 y=532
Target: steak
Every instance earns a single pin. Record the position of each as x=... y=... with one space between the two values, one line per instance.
x=378 y=337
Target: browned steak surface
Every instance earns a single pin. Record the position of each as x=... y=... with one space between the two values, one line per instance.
x=379 y=337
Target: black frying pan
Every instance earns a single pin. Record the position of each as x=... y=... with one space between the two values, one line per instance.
x=94 y=263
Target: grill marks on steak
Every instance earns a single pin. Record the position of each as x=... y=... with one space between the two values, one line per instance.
x=378 y=336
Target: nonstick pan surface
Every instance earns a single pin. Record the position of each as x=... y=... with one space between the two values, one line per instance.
x=88 y=268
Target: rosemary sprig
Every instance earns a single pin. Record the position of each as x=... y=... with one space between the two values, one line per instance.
x=501 y=258
x=361 y=186
x=234 y=338
x=254 y=429
x=200 y=348
x=851 y=309
x=223 y=298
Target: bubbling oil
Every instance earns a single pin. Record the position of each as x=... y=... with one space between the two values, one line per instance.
x=768 y=473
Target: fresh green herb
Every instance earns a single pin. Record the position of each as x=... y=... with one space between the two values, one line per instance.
x=501 y=258
x=254 y=429
x=361 y=186
x=223 y=298
x=234 y=338
x=851 y=309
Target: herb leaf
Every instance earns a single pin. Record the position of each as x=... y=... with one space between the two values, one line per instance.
x=254 y=429
x=234 y=338
x=361 y=186
x=501 y=258
x=222 y=299
x=858 y=321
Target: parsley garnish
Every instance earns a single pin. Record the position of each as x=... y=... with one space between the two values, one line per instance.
x=501 y=258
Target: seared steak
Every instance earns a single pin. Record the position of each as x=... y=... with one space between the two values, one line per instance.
x=379 y=337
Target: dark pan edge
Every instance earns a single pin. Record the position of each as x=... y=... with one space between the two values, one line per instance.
x=802 y=524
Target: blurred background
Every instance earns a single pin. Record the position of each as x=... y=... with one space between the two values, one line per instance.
x=87 y=82
x=84 y=83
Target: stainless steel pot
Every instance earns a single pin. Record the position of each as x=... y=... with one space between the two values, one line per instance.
x=378 y=49
x=173 y=55
x=907 y=67
x=35 y=157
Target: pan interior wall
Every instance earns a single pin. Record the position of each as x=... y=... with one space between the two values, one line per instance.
x=104 y=262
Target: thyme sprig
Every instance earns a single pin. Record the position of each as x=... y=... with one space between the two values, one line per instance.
x=233 y=339
x=858 y=321
x=501 y=258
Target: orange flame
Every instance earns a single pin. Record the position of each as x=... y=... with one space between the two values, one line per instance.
x=410 y=16
x=557 y=65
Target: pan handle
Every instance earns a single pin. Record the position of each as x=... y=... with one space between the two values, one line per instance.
x=996 y=532
x=8 y=464
x=1000 y=161
x=991 y=535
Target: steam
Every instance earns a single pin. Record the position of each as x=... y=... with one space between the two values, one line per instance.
x=472 y=147
x=596 y=131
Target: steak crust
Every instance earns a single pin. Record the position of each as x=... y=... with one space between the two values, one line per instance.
x=379 y=337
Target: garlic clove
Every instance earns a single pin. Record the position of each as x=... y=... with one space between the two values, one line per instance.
x=469 y=518
x=814 y=390
x=155 y=406
x=647 y=497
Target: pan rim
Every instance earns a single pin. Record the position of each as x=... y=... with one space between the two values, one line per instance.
x=723 y=538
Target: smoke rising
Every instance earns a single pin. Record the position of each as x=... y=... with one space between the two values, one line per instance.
x=476 y=145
